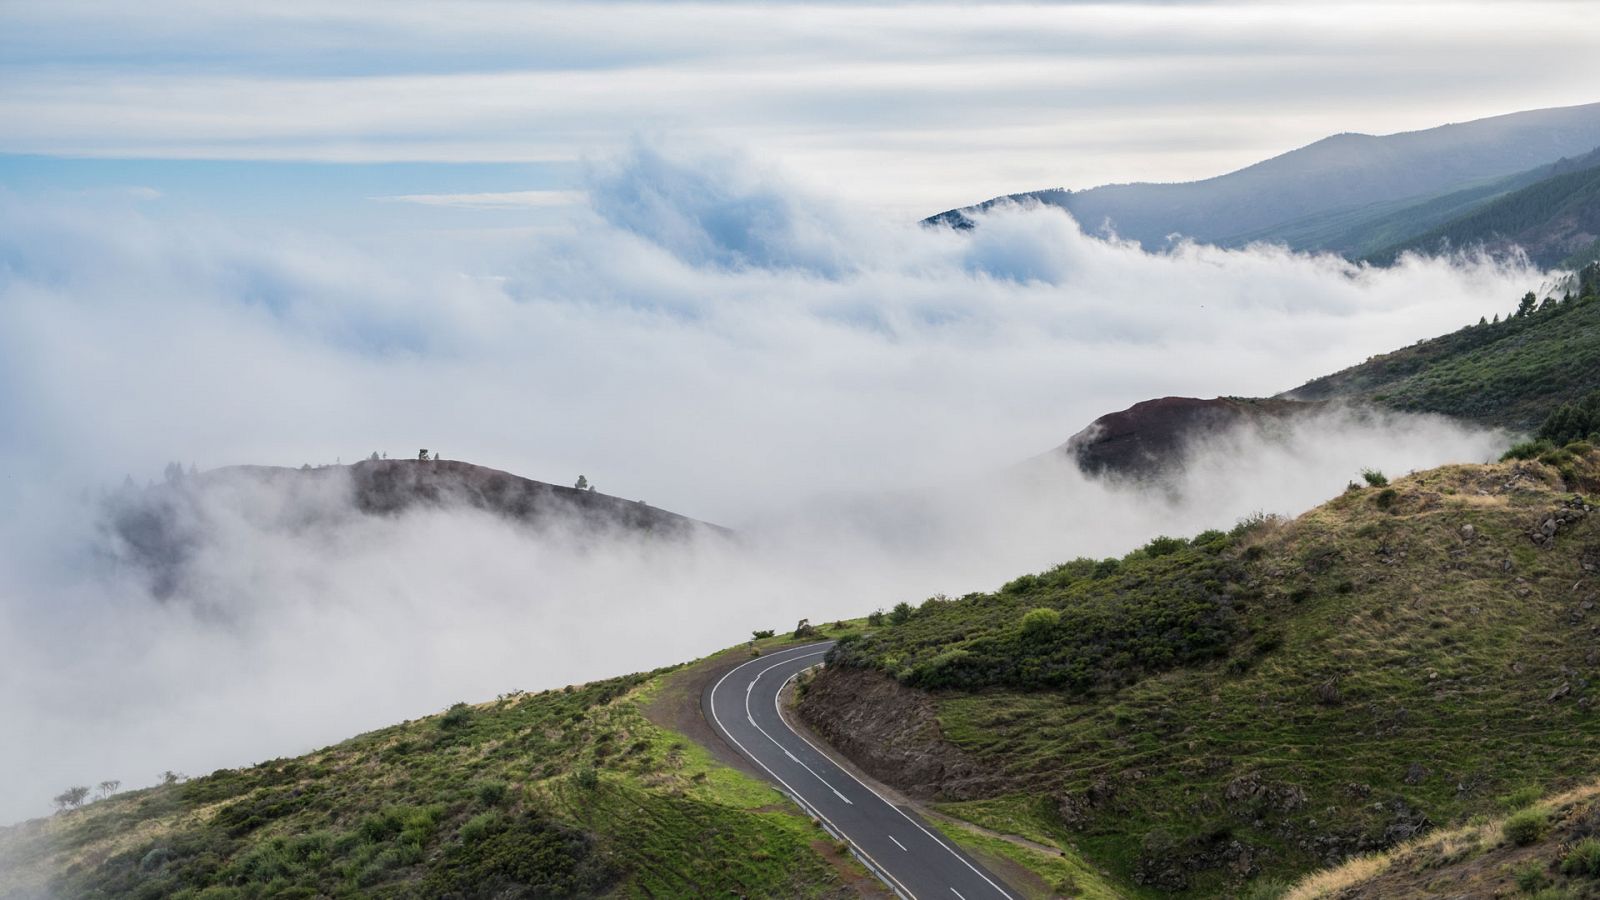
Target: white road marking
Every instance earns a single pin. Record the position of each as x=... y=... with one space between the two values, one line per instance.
x=774 y=740
x=957 y=893
x=798 y=798
x=897 y=843
x=979 y=872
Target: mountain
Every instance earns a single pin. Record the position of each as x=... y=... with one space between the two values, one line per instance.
x=1343 y=173
x=1212 y=717
x=1556 y=220
x=159 y=530
x=1509 y=374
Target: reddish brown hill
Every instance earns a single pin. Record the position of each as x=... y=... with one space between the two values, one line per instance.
x=1149 y=438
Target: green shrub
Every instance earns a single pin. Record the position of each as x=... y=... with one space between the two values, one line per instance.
x=1530 y=876
x=901 y=613
x=1525 y=827
x=875 y=619
x=1374 y=477
x=588 y=778
x=1040 y=621
x=1386 y=498
x=1583 y=859
x=456 y=716
x=1527 y=450
x=763 y=633
x=1521 y=798
x=479 y=827
x=1164 y=546
x=493 y=793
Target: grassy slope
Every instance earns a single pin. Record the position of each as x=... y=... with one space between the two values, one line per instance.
x=467 y=804
x=1508 y=374
x=1382 y=671
x=1558 y=859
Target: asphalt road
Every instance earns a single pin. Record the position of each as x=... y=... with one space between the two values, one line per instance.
x=909 y=856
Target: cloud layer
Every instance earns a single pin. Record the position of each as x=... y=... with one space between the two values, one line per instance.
x=885 y=100
x=847 y=390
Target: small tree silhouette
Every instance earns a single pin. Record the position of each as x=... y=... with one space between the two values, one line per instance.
x=582 y=484
x=422 y=455
x=71 y=798
x=109 y=787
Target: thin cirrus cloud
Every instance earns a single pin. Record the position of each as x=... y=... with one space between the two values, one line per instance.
x=913 y=107
x=492 y=199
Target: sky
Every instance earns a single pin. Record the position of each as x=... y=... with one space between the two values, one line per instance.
x=670 y=247
x=908 y=108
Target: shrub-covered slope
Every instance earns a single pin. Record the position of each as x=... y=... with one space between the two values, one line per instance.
x=1219 y=715
x=565 y=793
x=1546 y=848
x=1508 y=373
x=1555 y=220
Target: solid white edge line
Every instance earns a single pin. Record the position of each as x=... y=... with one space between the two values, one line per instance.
x=940 y=842
x=798 y=798
x=757 y=725
x=897 y=843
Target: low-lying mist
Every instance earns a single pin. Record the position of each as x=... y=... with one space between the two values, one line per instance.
x=852 y=395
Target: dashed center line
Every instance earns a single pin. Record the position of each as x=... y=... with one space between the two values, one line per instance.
x=957 y=893
x=898 y=844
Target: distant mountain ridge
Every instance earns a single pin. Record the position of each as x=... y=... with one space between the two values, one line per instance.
x=1353 y=174
x=159 y=529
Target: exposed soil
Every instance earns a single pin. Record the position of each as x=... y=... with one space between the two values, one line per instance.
x=892 y=734
x=1149 y=439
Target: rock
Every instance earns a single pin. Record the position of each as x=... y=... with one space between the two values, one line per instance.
x=1417 y=774
x=1558 y=693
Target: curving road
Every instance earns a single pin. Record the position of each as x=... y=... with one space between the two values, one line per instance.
x=910 y=857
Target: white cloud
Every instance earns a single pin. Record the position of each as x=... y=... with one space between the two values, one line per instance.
x=702 y=335
x=917 y=107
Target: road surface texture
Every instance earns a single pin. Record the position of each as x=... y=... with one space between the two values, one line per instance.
x=909 y=856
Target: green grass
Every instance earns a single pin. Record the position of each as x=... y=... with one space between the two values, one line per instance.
x=1370 y=670
x=563 y=793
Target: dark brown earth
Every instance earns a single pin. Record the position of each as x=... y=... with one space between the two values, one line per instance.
x=1150 y=438
x=891 y=733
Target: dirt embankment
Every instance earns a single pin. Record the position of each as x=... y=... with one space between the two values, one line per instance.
x=891 y=732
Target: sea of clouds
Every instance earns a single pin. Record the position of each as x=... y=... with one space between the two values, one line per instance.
x=852 y=393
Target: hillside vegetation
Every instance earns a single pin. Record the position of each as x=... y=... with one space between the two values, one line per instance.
x=1541 y=847
x=1349 y=177
x=1555 y=220
x=1219 y=715
x=1508 y=373
x=564 y=793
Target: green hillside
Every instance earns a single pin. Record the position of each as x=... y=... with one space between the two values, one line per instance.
x=1217 y=716
x=565 y=793
x=1556 y=220
x=1361 y=231
x=1509 y=373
